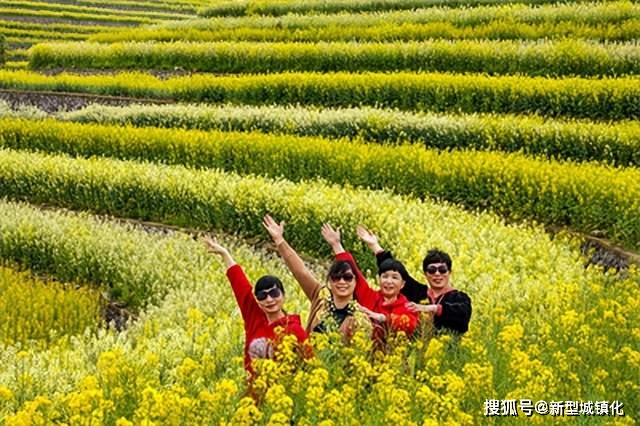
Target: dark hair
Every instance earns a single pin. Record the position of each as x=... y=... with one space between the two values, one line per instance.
x=339 y=267
x=266 y=282
x=393 y=265
x=436 y=256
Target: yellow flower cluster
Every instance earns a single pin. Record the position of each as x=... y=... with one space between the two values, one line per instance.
x=32 y=309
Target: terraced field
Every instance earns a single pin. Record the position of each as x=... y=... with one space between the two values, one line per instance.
x=503 y=133
x=24 y=23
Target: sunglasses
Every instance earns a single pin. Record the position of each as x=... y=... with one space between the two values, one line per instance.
x=346 y=277
x=431 y=269
x=274 y=293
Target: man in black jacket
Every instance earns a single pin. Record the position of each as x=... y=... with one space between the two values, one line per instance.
x=450 y=308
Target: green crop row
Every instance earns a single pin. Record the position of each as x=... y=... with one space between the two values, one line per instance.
x=590 y=14
x=499 y=30
x=45 y=7
x=202 y=199
x=21 y=111
x=136 y=268
x=79 y=246
x=189 y=7
x=22 y=42
x=44 y=35
x=53 y=26
x=550 y=58
x=583 y=196
x=608 y=21
x=284 y=7
x=15 y=64
x=614 y=143
x=572 y=97
x=17 y=54
x=76 y=16
x=3 y=48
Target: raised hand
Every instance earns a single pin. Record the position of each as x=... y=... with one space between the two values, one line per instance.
x=332 y=237
x=367 y=236
x=212 y=245
x=275 y=229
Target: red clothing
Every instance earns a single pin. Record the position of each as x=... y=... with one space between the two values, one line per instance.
x=256 y=324
x=398 y=316
x=454 y=306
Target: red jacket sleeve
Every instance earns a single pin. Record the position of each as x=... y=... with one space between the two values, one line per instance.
x=364 y=294
x=243 y=292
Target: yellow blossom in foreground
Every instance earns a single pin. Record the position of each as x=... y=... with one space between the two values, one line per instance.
x=6 y=394
x=510 y=337
x=279 y=419
x=246 y=413
x=278 y=400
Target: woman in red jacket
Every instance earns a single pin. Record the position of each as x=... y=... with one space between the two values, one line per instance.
x=386 y=307
x=261 y=309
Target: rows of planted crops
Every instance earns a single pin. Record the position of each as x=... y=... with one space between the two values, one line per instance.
x=614 y=20
x=474 y=126
x=24 y=23
x=573 y=97
x=585 y=196
x=491 y=57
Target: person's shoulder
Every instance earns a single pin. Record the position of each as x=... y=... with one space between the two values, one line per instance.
x=458 y=295
x=293 y=317
x=402 y=299
x=294 y=326
x=236 y=274
x=290 y=323
x=292 y=320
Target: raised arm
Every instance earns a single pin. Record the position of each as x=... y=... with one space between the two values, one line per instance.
x=212 y=245
x=333 y=237
x=242 y=289
x=413 y=289
x=294 y=263
x=363 y=292
x=369 y=238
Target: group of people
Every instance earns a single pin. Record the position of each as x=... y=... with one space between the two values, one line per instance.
x=396 y=306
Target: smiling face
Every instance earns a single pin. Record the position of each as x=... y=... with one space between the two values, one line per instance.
x=342 y=280
x=343 y=285
x=270 y=300
x=437 y=268
x=391 y=283
x=391 y=277
x=269 y=293
x=438 y=275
